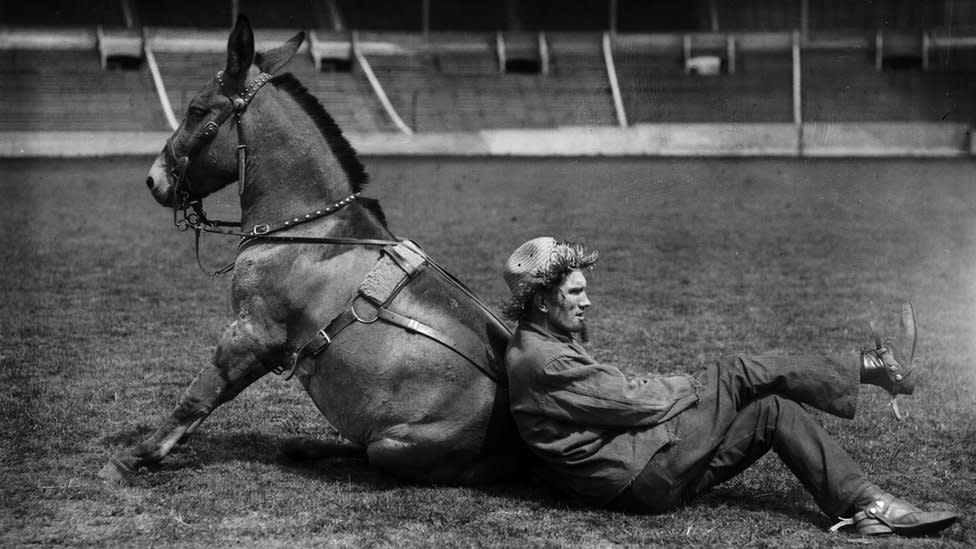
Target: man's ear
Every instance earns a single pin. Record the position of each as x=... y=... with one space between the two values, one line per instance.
x=539 y=300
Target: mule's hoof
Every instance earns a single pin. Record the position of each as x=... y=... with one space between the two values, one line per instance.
x=116 y=472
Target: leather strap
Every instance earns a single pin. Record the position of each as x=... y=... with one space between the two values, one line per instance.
x=321 y=340
x=462 y=339
x=467 y=349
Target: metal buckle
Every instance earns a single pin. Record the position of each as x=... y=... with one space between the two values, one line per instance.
x=355 y=313
x=263 y=228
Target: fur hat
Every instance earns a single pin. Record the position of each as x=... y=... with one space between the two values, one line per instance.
x=540 y=263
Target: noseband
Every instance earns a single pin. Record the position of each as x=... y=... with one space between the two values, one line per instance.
x=181 y=162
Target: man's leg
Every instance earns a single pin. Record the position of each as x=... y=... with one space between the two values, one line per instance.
x=728 y=387
x=824 y=468
x=817 y=381
x=725 y=434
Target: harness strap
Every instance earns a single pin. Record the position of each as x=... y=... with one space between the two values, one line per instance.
x=321 y=340
x=398 y=265
x=467 y=348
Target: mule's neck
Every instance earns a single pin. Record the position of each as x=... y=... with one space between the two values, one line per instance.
x=291 y=170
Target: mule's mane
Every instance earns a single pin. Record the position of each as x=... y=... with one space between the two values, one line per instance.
x=337 y=142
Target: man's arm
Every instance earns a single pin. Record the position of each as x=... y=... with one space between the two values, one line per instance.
x=598 y=395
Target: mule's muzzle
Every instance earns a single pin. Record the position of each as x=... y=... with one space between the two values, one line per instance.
x=160 y=184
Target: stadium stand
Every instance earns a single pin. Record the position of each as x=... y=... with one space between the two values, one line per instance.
x=854 y=91
x=553 y=15
x=187 y=14
x=286 y=14
x=576 y=89
x=470 y=65
x=402 y=15
x=656 y=87
x=68 y=90
x=58 y=13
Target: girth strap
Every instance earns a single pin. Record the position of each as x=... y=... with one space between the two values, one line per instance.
x=467 y=345
x=397 y=267
x=322 y=339
x=466 y=349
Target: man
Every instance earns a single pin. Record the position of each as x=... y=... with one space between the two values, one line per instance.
x=650 y=444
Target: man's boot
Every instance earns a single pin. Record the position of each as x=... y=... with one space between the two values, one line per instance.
x=889 y=364
x=882 y=513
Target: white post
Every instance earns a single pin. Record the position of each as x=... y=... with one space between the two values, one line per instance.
x=618 y=102
x=543 y=52
x=879 y=51
x=313 y=42
x=335 y=16
x=925 y=51
x=687 y=52
x=730 y=46
x=377 y=87
x=713 y=13
x=158 y=81
x=128 y=13
x=500 y=49
x=797 y=96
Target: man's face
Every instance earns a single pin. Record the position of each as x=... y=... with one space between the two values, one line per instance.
x=567 y=302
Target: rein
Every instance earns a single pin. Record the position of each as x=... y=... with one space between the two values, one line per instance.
x=264 y=232
x=197 y=218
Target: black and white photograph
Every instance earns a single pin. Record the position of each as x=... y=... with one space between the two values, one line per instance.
x=488 y=273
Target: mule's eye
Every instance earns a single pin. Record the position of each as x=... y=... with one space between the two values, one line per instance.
x=195 y=112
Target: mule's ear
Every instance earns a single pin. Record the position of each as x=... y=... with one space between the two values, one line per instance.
x=272 y=60
x=240 y=51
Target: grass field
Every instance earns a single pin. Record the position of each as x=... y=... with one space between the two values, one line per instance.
x=105 y=318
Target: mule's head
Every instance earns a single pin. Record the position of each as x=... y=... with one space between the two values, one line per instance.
x=200 y=157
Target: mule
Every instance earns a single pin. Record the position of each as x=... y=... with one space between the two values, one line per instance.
x=400 y=358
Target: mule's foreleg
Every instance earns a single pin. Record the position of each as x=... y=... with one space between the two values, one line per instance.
x=239 y=361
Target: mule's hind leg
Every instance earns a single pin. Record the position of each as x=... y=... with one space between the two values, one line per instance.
x=237 y=364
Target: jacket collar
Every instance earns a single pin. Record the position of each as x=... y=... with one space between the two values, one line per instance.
x=545 y=331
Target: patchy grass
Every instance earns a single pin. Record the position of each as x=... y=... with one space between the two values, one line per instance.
x=104 y=319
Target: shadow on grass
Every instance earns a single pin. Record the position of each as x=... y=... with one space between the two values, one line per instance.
x=214 y=448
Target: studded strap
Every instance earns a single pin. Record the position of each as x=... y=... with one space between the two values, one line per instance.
x=266 y=228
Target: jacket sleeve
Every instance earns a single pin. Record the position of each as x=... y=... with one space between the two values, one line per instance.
x=599 y=395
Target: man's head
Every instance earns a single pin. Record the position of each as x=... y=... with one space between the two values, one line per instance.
x=546 y=278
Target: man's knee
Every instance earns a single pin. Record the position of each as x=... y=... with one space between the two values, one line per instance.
x=770 y=408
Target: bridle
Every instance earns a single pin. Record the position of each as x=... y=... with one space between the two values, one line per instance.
x=195 y=217
x=236 y=108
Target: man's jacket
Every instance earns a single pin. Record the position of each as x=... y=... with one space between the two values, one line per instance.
x=594 y=429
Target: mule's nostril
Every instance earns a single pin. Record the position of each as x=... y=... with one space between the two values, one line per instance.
x=149 y=182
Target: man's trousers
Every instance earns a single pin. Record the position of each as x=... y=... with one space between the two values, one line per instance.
x=749 y=405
